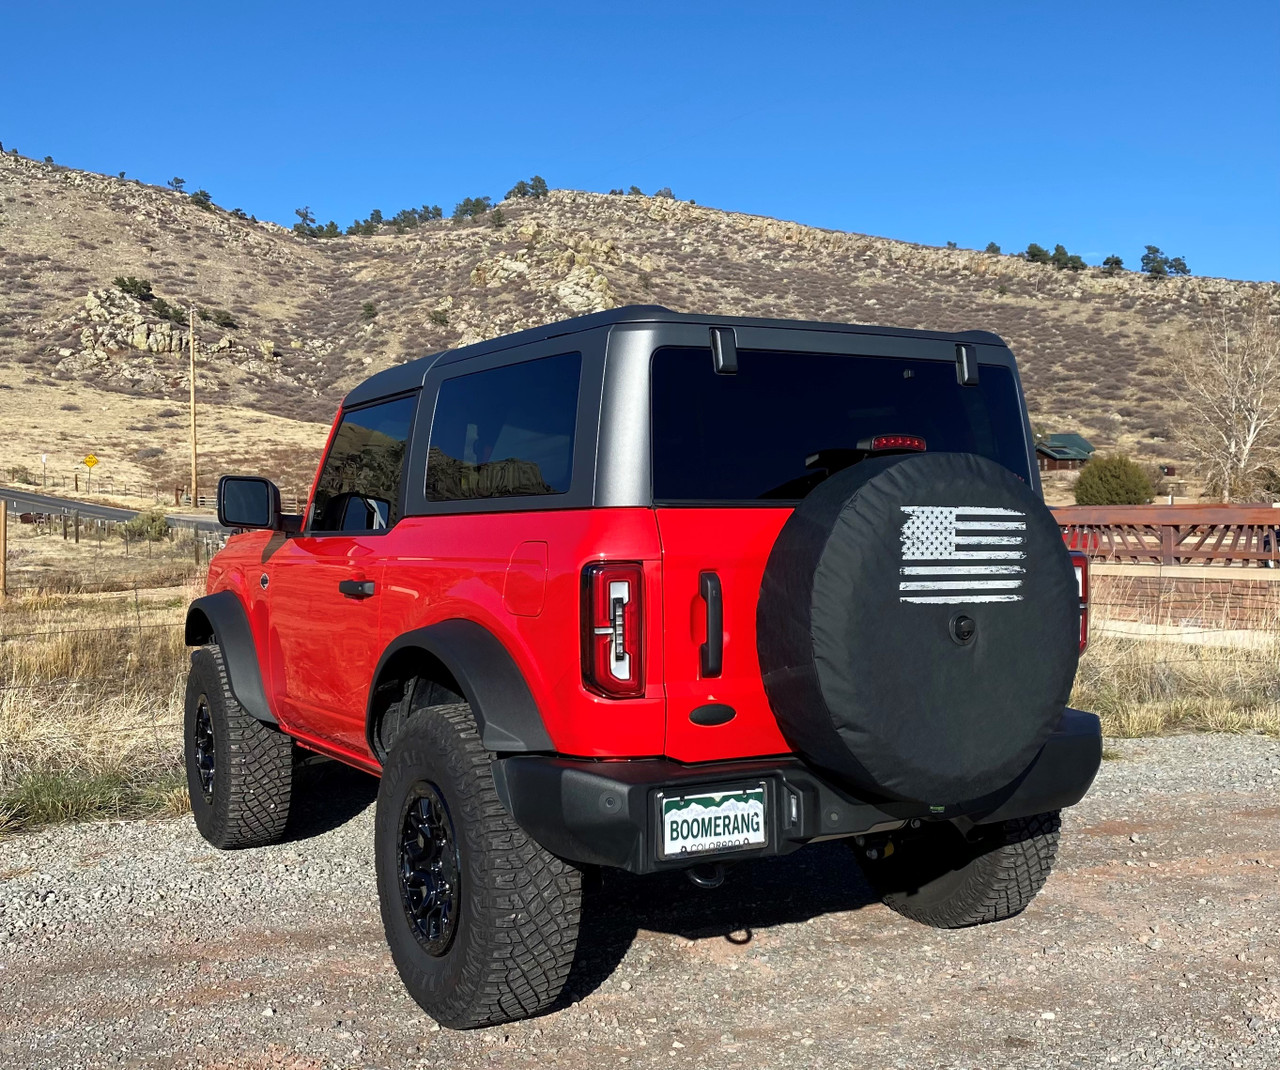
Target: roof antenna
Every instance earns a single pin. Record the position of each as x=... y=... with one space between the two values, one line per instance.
x=724 y=350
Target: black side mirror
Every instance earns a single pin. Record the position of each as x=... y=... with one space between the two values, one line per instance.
x=248 y=502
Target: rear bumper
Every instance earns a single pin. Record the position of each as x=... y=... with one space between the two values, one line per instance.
x=606 y=812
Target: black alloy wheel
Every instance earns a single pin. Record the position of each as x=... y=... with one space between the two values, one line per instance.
x=205 y=751
x=430 y=869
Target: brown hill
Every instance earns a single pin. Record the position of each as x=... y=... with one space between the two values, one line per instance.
x=84 y=366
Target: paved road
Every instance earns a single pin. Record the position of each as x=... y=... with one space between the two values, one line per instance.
x=1155 y=943
x=29 y=501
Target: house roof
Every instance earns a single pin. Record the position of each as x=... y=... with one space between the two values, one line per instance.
x=1070 y=441
x=1062 y=453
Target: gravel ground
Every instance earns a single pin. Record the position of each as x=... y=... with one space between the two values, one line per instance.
x=1156 y=942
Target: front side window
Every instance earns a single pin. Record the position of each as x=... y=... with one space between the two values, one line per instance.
x=505 y=432
x=359 y=486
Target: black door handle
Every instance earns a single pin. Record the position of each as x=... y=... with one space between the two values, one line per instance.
x=356 y=588
x=713 y=648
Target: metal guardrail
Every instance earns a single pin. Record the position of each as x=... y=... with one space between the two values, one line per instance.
x=1225 y=535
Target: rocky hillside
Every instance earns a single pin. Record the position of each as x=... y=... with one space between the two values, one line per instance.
x=288 y=323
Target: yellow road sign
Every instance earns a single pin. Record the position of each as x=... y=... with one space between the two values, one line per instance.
x=90 y=461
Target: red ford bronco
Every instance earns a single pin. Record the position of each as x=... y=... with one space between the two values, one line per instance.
x=653 y=591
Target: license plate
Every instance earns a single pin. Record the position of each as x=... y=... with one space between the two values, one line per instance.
x=713 y=821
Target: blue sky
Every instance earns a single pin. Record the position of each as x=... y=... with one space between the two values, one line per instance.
x=1104 y=126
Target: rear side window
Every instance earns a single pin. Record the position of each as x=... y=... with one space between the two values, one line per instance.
x=359 y=486
x=786 y=421
x=506 y=432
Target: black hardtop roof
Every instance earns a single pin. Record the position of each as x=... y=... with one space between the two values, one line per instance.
x=411 y=374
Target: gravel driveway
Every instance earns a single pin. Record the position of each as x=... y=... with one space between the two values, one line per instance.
x=1156 y=942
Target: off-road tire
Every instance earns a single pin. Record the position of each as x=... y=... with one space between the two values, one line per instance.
x=939 y=878
x=253 y=762
x=518 y=907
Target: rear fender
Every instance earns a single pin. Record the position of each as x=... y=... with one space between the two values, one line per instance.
x=220 y=618
x=486 y=677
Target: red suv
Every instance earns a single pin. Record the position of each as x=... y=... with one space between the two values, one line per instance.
x=653 y=591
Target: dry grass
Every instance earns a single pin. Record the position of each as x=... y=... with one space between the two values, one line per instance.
x=91 y=706
x=1142 y=687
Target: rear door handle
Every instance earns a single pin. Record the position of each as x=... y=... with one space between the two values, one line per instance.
x=713 y=649
x=357 y=589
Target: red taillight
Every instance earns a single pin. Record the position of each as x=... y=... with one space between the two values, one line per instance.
x=897 y=442
x=1081 y=562
x=613 y=629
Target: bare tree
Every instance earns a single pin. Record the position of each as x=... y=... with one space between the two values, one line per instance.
x=1231 y=376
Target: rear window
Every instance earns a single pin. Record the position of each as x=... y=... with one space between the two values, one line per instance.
x=786 y=421
x=506 y=432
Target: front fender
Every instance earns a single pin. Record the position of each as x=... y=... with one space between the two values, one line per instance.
x=220 y=618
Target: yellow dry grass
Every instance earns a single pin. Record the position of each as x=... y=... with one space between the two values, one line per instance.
x=1145 y=687
x=91 y=705
x=143 y=444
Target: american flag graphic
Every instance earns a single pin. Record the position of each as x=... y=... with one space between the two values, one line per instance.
x=961 y=554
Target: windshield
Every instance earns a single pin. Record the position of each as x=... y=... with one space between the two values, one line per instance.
x=786 y=421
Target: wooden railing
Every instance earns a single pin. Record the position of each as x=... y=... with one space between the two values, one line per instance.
x=1174 y=534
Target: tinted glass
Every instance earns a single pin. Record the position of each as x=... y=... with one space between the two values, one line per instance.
x=359 y=488
x=786 y=421
x=505 y=432
x=247 y=502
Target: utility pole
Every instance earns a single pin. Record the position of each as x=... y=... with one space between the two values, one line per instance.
x=4 y=548
x=195 y=500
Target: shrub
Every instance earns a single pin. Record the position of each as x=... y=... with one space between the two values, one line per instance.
x=166 y=311
x=1157 y=265
x=223 y=318
x=368 y=310
x=535 y=187
x=952 y=245
x=440 y=317
x=202 y=199
x=636 y=191
x=48 y=159
x=992 y=248
x=1112 y=264
x=139 y=288
x=239 y=213
x=150 y=526
x=497 y=219
x=1061 y=259
x=1037 y=254
x=177 y=183
x=471 y=208
x=665 y=193
x=1114 y=480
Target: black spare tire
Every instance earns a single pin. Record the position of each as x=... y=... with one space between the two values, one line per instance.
x=918 y=627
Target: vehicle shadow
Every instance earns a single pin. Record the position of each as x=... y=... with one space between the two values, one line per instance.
x=326 y=795
x=821 y=879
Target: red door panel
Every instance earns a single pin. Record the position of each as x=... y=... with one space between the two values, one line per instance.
x=734 y=544
x=324 y=644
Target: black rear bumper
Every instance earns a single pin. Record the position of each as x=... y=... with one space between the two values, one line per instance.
x=606 y=812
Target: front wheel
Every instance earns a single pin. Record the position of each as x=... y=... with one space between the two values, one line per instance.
x=239 y=770
x=482 y=922
x=940 y=877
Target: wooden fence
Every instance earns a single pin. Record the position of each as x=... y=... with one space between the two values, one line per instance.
x=1240 y=535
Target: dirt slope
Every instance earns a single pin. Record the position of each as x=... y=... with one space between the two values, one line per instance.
x=1092 y=347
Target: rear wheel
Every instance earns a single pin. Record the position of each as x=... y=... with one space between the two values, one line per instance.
x=939 y=877
x=482 y=921
x=239 y=770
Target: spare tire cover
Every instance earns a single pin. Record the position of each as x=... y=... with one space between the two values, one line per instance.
x=918 y=627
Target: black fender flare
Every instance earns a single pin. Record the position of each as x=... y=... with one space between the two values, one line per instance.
x=220 y=618
x=489 y=679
